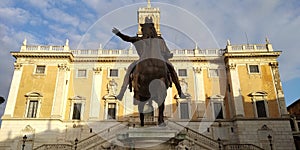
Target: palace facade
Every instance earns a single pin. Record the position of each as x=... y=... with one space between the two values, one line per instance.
x=59 y=94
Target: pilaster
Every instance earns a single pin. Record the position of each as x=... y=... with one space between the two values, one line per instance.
x=96 y=93
x=13 y=92
x=236 y=91
x=60 y=92
x=278 y=89
x=199 y=84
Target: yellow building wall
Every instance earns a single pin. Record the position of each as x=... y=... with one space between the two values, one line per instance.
x=43 y=84
x=255 y=83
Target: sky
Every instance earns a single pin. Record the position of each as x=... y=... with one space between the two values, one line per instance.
x=209 y=23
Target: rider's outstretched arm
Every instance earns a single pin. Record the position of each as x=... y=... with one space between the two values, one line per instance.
x=125 y=37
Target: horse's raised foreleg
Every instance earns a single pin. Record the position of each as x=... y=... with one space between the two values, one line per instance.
x=141 y=111
x=161 y=109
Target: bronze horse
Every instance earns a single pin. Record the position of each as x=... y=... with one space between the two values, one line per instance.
x=150 y=82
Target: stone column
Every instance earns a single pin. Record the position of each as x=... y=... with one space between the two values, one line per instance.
x=13 y=92
x=96 y=93
x=236 y=93
x=60 y=92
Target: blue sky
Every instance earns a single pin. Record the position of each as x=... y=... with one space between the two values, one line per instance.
x=87 y=23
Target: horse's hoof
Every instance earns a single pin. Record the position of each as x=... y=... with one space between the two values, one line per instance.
x=118 y=98
x=162 y=124
x=182 y=96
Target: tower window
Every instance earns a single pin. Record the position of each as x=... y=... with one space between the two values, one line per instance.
x=253 y=69
x=218 y=110
x=182 y=72
x=111 y=112
x=113 y=73
x=260 y=104
x=32 y=109
x=76 y=111
x=213 y=72
x=77 y=108
x=81 y=73
x=184 y=111
x=261 y=109
x=40 y=69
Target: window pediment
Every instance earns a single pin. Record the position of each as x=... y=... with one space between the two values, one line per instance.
x=258 y=94
x=78 y=98
x=33 y=94
x=217 y=96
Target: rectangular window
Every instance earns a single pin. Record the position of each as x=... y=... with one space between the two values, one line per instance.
x=182 y=72
x=40 y=69
x=253 y=69
x=213 y=72
x=32 y=109
x=113 y=73
x=111 y=114
x=81 y=73
x=218 y=110
x=184 y=111
x=77 y=111
x=261 y=109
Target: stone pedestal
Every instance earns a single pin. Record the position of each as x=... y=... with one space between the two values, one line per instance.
x=151 y=138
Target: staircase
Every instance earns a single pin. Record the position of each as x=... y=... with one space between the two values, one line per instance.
x=209 y=143
x=199 y=139
x=105 y=138
x=101 y=137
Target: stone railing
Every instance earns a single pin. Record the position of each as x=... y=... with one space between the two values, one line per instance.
x=44 y=48
x=182 y=52
x=241 y=146
x=100 y=52
x=101 y=136
x=200 y=139
x=250 y=47
x=54 y=147
x=115 y=52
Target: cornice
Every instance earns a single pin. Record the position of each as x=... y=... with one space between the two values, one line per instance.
x=68 y=55
x=252 y=54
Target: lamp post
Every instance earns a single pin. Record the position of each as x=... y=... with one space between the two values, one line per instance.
x=219 y=142
x=270 y=141
x=24 y=140
x=76 y=142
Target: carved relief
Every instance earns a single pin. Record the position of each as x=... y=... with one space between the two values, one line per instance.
x=97 y=70
x=17 y=66
x=184 y=86
x=232 y=66
x=274 y=64
x=275 y=71
x=63 y=67
x=197 y=69
x=112 y=87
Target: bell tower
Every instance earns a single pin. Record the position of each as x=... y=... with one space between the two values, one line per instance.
x=149 y=12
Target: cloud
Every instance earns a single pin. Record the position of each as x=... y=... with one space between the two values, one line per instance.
x=39 y=4
x=15 y=16
x=61 y=17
